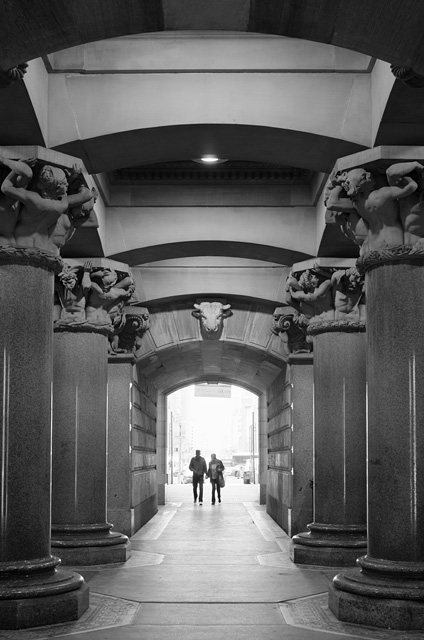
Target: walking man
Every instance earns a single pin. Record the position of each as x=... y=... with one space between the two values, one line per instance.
x=215 y=471
x=199 y=468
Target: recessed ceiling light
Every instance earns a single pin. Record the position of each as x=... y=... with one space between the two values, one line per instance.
x=209 y=159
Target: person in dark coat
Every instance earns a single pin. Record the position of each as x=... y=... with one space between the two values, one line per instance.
x=215 y=471
x=199 y=468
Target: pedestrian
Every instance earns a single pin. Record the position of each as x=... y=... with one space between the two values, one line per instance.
x=215 y=474
x=199 y=468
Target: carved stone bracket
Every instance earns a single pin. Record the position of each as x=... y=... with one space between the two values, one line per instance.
x=401 y=253
x=340 y=326
x=33 y=257
x=407 y=76
x=290 y=323
x=12 y=75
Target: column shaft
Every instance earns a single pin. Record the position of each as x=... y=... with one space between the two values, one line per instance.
x=338 y=534
x=388 y=589
x=33 y=591
x=81 y=533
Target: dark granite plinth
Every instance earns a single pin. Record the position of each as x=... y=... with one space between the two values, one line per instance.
x=380 y=594
x=34 y=594
x=327 y=545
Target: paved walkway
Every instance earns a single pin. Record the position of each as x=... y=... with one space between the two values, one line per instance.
x=208 y=573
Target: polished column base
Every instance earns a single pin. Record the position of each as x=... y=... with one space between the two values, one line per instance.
x=35 y=593
x=382 y=594
x=84 y=545
x=329 y=545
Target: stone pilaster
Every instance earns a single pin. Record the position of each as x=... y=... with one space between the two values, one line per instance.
x=34 y=590
x=301 y=380
x=387 y=590
x=337 y=536
x=81 y=534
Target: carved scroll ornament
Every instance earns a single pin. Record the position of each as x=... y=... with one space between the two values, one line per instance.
x=291 y=327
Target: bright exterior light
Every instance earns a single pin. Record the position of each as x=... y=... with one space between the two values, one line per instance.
x=209 y=159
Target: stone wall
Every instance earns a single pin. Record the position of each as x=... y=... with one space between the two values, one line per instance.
x=132 y=484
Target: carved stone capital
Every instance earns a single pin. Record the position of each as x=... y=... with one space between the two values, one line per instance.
x=336 y=326
x=401 y=253
x=32 y=257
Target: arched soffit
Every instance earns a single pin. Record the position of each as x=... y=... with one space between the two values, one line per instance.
x=286 y=232
x=182 y=142
x=385 y=29
x=92 y=107
x=240 y=279
x=174 y=352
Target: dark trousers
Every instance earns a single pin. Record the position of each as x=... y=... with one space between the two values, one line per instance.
x=197 y=480
x=215 y=485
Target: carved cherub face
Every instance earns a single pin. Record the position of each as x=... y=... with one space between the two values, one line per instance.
x=107 y=276
x=308 y=281
x=354 y=279
x=356 y=181
x=69 y=279
x=52 y=182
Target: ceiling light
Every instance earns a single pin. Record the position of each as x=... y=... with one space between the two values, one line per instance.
x=209 y=159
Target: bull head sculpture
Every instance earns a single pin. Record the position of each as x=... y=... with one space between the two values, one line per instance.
x=211 y=316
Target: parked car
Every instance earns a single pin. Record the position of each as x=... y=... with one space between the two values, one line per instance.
x=187 y=477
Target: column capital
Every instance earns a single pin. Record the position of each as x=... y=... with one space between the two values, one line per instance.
x=45 y=197
x=325 y=291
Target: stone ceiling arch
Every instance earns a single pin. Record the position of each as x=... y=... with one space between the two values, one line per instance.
x=240 y=142
x=386 y=29
x=174 y=352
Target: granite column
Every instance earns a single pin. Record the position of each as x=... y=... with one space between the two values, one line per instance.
x=81 y=534
x=387 y=590
x=337 y=536
x=34 y=591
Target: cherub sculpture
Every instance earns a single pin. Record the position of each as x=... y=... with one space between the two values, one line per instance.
x=107 y=296
x=349 y=295
x=42 y=203
x=72 y=287
x=377 y=205
x=311 y=295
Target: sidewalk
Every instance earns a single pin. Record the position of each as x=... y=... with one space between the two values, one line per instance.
x=206 y=573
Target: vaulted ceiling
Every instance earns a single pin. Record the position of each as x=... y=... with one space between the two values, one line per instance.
x=279 y=89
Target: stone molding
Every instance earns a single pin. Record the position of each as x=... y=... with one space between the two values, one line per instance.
x=31 y=257
x=333 y=326
x=83 y=327
x=400 y=253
